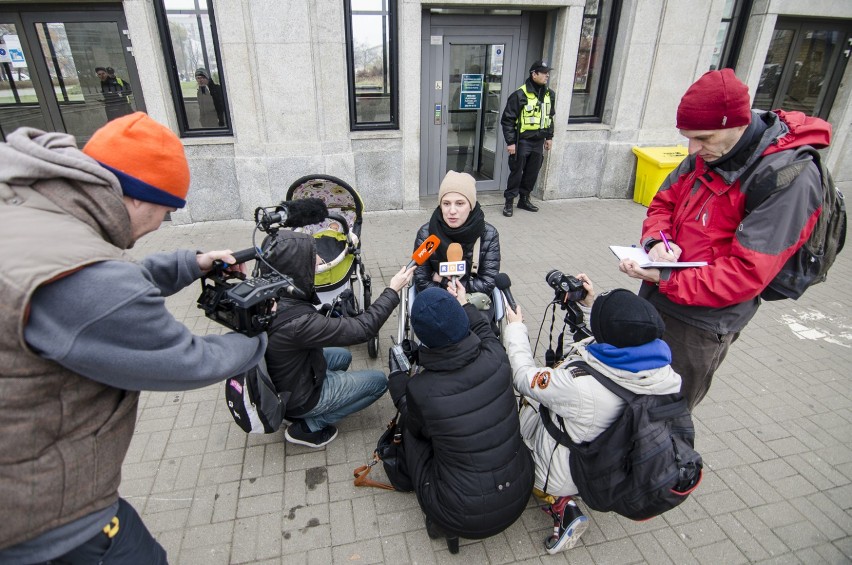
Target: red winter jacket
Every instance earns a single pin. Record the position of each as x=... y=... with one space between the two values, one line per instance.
x=702 y=209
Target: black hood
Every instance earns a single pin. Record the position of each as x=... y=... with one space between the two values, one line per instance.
x=293 y=254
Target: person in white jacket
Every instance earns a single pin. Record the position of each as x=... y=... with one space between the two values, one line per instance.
x=627 y=348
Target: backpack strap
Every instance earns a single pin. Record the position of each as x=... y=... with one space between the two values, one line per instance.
x=560 y=435
x=474 y=260
x=759 y=193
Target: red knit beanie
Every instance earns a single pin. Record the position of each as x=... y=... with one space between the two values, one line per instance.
x=146 y=156
x=717 y=100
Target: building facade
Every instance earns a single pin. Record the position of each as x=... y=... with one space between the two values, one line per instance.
x=390 y=94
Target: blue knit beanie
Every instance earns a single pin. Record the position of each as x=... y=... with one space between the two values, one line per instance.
x=438 y=319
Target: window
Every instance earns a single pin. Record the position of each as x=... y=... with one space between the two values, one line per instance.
x=371 y=55
x=191 y=47
x=729 y=38
x=594 y=57
x=804 y=65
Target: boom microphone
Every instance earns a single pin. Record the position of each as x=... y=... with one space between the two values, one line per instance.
x=426 y=249
x=294 y=213
x=503 y=282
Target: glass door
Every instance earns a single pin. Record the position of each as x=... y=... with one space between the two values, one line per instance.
x=475 y=79
x=79 y=68
x=19 y=100
x=474 y=96
x=803 y=66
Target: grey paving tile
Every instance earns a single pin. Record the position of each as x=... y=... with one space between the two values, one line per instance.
x=775 y=431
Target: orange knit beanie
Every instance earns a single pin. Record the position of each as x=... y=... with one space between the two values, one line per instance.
x=146 y=156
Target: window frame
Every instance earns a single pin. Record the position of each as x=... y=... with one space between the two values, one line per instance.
x=597 y=114
x=174 y=79
x=736 y=32
x=392 y=64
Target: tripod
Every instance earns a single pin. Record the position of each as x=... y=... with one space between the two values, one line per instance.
x=574 y=321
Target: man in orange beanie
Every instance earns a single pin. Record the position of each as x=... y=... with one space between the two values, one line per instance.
x=86 y=328
x=698 y=215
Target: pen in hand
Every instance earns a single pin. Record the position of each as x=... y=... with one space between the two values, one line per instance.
x=666 y=242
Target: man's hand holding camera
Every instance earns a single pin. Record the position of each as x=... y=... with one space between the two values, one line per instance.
x=208 y=259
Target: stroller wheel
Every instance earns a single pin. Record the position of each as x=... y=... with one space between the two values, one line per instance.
x=373 y=347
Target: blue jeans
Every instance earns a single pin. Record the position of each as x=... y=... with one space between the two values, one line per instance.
x=343 y=392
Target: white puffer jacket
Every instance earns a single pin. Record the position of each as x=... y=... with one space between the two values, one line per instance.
x=586 y=406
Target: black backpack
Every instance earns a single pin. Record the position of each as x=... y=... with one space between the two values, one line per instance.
x=644 y=464
x=809 y=265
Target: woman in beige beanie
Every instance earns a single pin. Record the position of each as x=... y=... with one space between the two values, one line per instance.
x=460 y=219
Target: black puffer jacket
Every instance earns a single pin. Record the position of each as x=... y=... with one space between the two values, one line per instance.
x=489 y=262
x=471 y=471
x=294 y=354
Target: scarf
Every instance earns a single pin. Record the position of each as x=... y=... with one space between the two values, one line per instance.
x=466 y=234
x=651 y=355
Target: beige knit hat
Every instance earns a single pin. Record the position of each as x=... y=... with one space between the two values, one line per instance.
x=461 y=183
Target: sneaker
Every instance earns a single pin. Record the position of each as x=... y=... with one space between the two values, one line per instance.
x=569 y=523
x=299 y=434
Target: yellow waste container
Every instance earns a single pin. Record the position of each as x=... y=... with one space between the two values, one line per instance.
x=653 y=165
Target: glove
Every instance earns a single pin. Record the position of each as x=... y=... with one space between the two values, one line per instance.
x=411 y=351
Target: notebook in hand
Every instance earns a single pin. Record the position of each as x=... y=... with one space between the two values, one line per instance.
x=638 y=254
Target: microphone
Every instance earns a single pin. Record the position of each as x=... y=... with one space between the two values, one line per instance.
x=293 y=213
x=454 y=266
x=426 y=249
x=503 y=282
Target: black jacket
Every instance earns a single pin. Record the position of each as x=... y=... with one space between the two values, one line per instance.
x=516 y=101
x=489 y=262
x=299 y=333
x=471 y=471
x=294 y=354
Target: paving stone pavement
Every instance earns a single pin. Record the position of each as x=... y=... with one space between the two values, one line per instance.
x=775 y=430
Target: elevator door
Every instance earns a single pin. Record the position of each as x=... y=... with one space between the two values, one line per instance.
x=471 y=72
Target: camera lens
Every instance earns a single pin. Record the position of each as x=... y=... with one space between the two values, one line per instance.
x=554 y=278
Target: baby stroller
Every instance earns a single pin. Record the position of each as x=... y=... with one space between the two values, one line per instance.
x=341 y=282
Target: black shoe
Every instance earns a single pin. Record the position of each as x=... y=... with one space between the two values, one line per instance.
x=299 y=434
x=507 y=209
x=524 y=203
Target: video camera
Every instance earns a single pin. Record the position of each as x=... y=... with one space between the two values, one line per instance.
x=247 y=305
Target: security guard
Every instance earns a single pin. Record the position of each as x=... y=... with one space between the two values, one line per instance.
x=528 y=130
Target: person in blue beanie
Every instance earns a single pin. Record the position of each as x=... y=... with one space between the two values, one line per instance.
x=470 y=469
x=626 y=347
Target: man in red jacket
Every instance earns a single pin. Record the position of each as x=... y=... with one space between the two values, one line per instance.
x=700 y=211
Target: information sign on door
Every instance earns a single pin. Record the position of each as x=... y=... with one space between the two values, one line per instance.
x=470 y=97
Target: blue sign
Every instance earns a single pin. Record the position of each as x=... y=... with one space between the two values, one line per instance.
x=470 y=97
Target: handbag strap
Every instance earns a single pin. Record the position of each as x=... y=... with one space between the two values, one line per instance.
x=362 y=480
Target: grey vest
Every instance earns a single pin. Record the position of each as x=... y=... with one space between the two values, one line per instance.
x=63 y=437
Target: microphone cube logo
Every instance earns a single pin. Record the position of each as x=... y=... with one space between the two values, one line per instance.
x=452 y=269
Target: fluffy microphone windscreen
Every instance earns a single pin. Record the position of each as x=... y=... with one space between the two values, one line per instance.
x=304 y=212
x=454 y=252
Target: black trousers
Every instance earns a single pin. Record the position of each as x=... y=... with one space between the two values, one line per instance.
x=524 y=166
